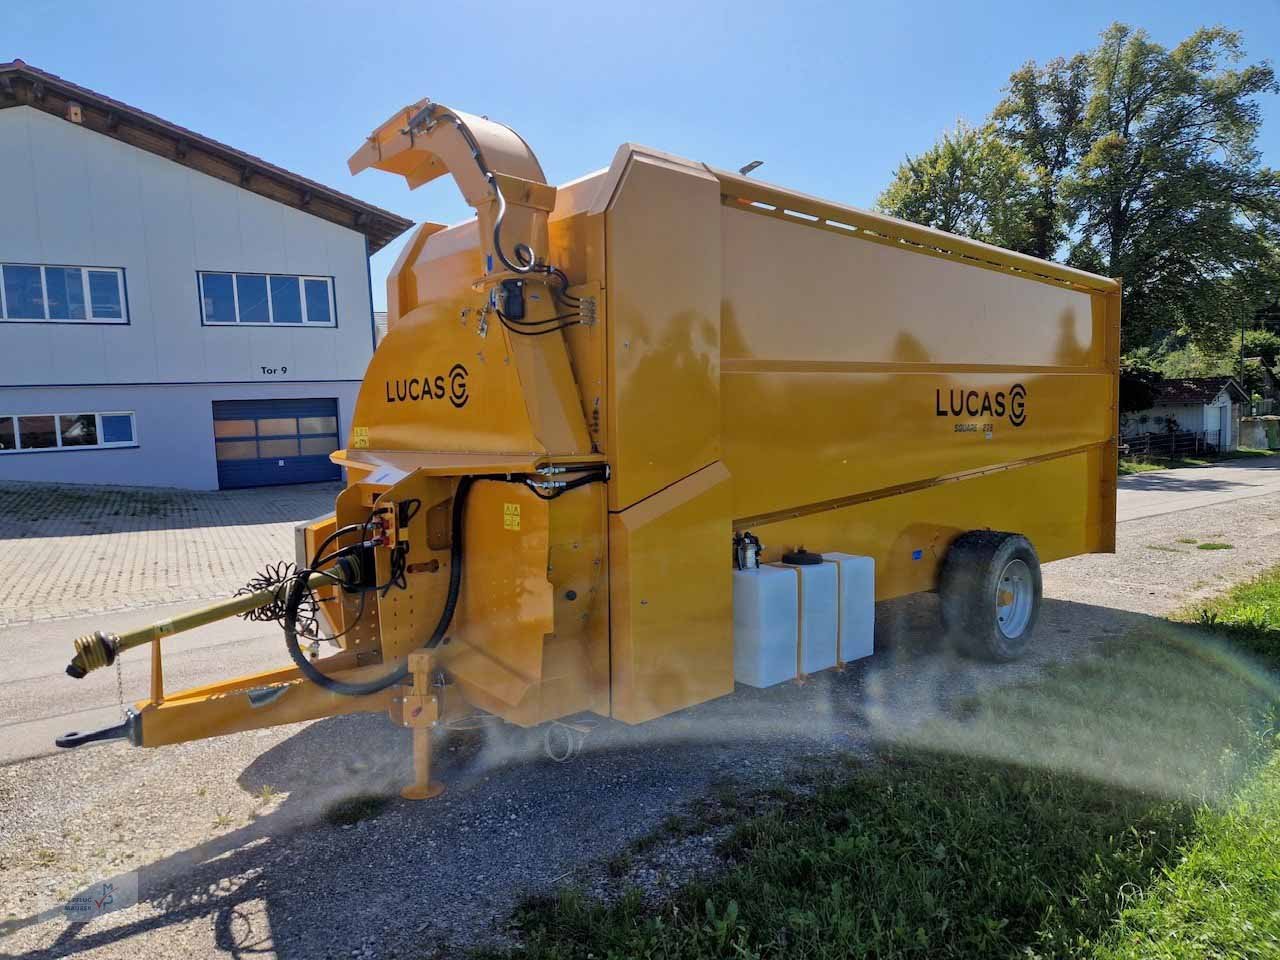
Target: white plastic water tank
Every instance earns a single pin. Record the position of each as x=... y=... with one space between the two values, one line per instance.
x=819 y=616
x=857 y=604
x=766 y=618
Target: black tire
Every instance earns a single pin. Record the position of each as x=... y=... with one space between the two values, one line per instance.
x=971 y=585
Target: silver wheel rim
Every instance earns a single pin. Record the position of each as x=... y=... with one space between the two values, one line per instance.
x=1014 y=599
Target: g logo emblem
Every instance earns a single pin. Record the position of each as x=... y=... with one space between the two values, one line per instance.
x=1018 y=405
x=458 y=385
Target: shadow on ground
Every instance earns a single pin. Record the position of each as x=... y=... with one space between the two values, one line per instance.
x=36 y=510
x=420 y=876
x=1197 y=480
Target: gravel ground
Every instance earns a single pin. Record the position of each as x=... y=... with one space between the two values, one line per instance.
x=234 y=853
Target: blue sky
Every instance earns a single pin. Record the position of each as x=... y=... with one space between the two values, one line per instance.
x=829 y=95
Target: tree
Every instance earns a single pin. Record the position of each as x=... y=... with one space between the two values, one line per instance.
x=1263 y=344
x=1042 y=115
x=1139 y=378
x=970 y=182
x=1136 y=161
x=1170 y=194
x=1191 y=361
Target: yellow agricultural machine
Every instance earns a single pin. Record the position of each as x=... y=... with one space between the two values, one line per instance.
x=594 y=401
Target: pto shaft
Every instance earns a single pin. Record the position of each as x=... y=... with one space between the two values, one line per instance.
x=99 y=649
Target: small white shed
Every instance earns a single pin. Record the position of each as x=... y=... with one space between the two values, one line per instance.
x=1207 y=405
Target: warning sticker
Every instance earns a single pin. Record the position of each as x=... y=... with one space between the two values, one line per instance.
x=511 y=516
x=360 y=438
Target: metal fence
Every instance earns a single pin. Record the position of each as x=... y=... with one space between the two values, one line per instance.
x=1181 y=443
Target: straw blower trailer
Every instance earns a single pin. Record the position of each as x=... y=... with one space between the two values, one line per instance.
x=662 y=428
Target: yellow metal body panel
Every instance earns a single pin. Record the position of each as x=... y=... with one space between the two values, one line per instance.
x=506 y=609
x=577 y=246
x=858 y=371
x=908 y=531
x=670 y=598
x=531 y=636
x=664 y=289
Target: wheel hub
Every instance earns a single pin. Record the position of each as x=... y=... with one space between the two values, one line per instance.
x=1015 y=598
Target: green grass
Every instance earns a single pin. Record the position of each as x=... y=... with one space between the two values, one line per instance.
x=1247 y=616
x=1123 y=806
x=1223 y=898
x=1210 y=545
x=1145 y=464
x=1128 y=467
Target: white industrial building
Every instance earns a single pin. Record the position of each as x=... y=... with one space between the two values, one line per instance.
x=173 y=312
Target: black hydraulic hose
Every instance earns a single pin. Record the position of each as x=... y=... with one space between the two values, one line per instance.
x=341 y=531
x=525 y=257
x=299 y=589
x=455 y=561
x=526 y=261
x=596 y=476
x=309 y=670
x=458 y=515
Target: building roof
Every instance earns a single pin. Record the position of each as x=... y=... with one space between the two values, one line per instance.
x=1196 y=389
x=24 y=85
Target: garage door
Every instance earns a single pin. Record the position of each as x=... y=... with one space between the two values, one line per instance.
x=260 y=443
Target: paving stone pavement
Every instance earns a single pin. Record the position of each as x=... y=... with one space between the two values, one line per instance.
x=68 y=551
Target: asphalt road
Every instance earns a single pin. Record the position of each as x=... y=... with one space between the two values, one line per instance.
x=1169 y=491
x=38 y=702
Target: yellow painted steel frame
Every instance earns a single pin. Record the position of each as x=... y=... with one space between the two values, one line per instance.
x=741 y=357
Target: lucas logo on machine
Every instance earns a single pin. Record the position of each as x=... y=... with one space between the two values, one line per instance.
x=984 y=403
x=453 y=385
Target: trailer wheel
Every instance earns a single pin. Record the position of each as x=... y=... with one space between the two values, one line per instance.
x=990 y=587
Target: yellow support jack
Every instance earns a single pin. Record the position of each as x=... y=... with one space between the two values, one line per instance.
x=419 y=710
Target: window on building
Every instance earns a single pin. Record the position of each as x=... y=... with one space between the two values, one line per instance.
x=60 y=294
x=65 y=431
x=265 y=298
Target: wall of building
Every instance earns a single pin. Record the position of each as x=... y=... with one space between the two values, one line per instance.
x=1190 y=416
x=174 y=424
x=71 y=196
x=1261 y=433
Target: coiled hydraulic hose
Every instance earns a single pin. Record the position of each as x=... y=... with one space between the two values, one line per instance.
x=299 y=588
x=457 y=517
